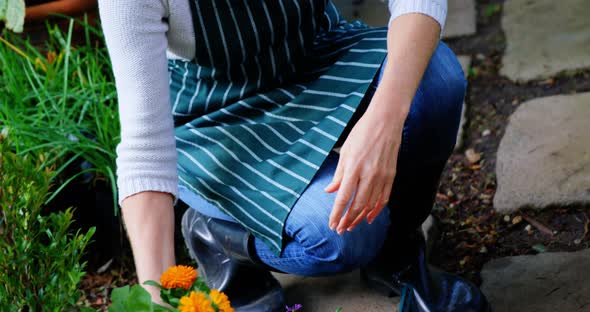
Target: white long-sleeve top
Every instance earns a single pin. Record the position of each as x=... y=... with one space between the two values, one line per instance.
x=141 y=35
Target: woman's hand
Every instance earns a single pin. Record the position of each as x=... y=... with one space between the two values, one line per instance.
x=368 y=157
x=367 y=164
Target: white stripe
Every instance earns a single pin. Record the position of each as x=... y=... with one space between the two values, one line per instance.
x=233 y=16
x=204 y=32
x=209 y=96
x=228 y=171
x=312 y=6
x=219 y=205
x=303 y=160
x=287 y=49
x=276 y=116
x=182 y=88
x=291 y=173
x=319 y=150
x=348 y=108
x=190 y=106
x=376 y=39
x=225 y=111
x=289 y=94
x=338 y=121
x=270 y=148
x=245 y=81
x=278 y=134
x=323 y=109
x=340 y=95
x=257 y=44
x=278 y=185
x=330 y=77
x=301 y=42
x=227 y=58
x=358 y=64
x=226 y=93
x=359 y=34
x=239 y=143
x=367 y=50
x=324 y=133
x=270 y=26
x=266 y=98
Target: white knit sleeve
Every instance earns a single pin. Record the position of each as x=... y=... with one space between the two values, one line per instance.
x=135 y=33
x=437 y=9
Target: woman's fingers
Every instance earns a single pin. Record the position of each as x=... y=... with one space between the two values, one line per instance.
x=373 y=199
x=384 y=198
x=337 y=179
x=346 y=189
x=361 y=197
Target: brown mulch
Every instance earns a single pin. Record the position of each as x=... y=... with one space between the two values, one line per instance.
x=472 y=232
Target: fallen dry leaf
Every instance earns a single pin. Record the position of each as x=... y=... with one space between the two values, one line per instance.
x=472 y=156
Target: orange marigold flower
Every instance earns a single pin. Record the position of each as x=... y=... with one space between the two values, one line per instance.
x=180 y=276
x=221 y=301
x=195 y=302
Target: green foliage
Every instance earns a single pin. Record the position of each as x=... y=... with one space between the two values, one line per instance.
x=133 y=299
x=492 y=9
x=62 y=96
x=40 y=258
x=12 y=12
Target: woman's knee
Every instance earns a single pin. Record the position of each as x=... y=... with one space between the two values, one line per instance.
x=333 y=253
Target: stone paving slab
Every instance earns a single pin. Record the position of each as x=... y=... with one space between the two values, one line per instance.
x=465 y=63
x=461 y=19
x=541 y=283
x=326 y=294
x=544 y=156
x=545 y=37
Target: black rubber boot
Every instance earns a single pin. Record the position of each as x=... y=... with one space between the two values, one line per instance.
x=423 y=288
x=227 y=261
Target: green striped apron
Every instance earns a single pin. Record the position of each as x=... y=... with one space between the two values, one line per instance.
x=271 y=88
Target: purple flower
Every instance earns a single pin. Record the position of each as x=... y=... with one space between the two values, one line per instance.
x=294 y=308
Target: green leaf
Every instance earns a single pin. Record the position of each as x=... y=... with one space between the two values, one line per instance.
x=139 y=299
x=12 y=12
x=119 y=297
x=338 y=310
x=87 y=309
x=153 y=283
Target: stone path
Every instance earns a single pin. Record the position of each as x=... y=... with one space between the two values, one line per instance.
x=326 y=294
x=544 y=156
x=461 y=18
x=542 y=283
x=545 y=37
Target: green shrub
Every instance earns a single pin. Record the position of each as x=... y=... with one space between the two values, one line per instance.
x=63 y=96
x=40 y=257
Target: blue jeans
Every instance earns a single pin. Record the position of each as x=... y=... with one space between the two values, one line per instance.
x=311 y=247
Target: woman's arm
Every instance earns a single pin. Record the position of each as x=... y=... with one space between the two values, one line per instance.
x=149 y=220
x=135 y=33
x=411 y=40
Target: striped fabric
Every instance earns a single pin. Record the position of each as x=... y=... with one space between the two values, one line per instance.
x=270 y=90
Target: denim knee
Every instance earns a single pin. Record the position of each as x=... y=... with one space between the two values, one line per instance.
x=331 y=253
